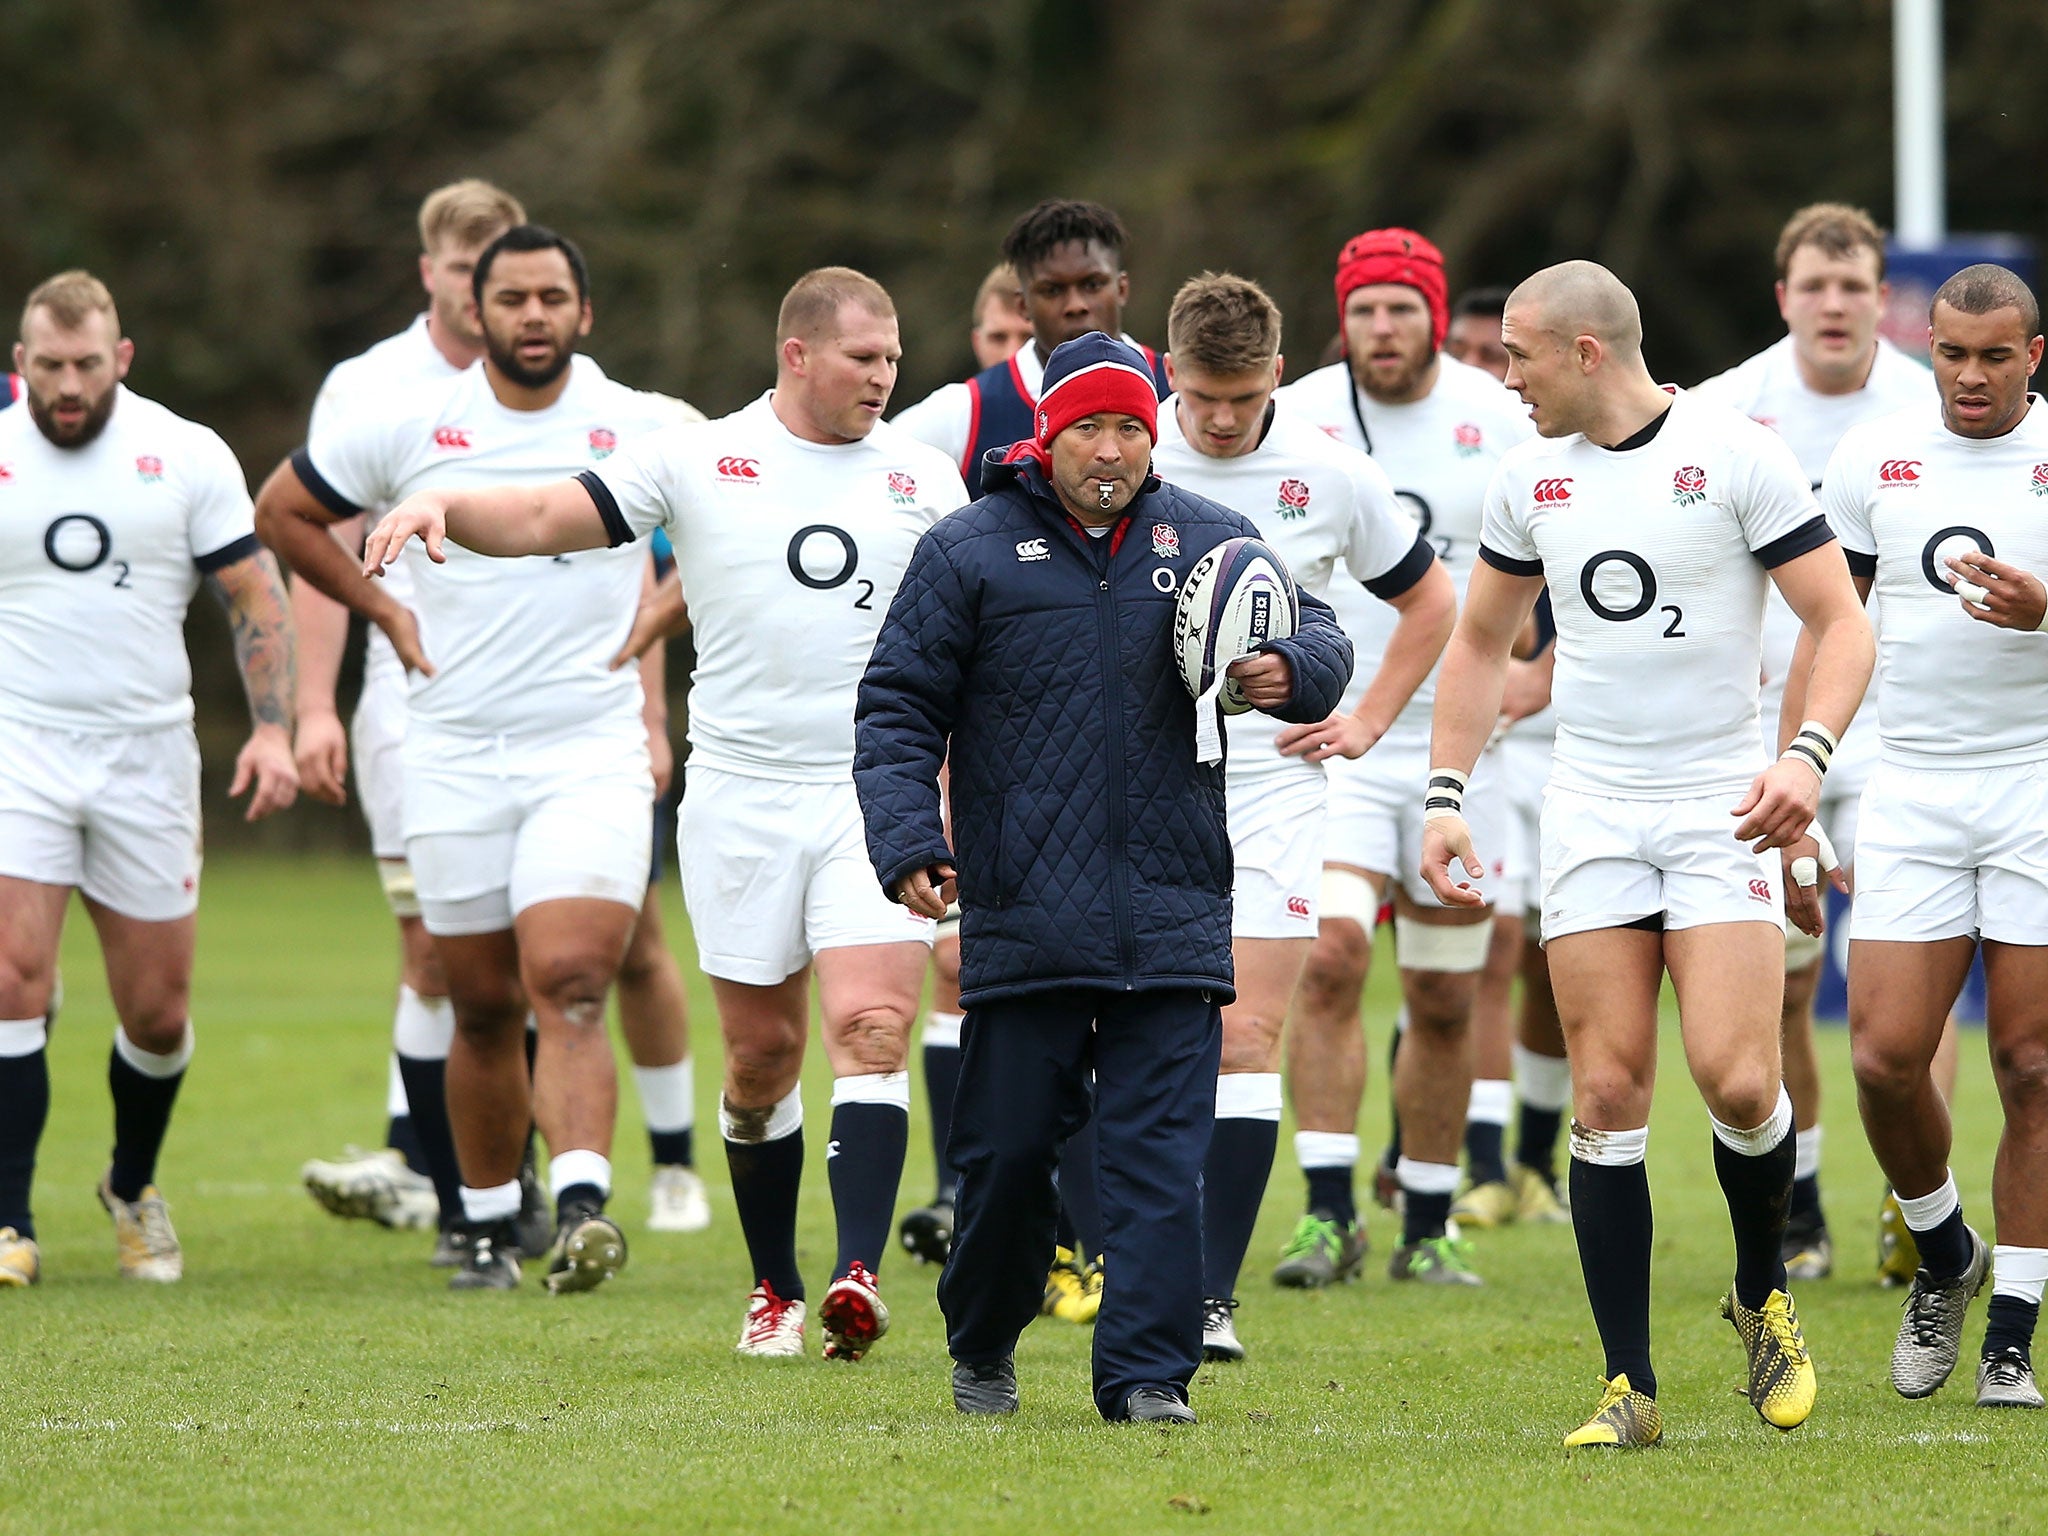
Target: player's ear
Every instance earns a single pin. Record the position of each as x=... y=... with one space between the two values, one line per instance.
x=1778 y=288
x=124 y=355
x=583 y=324
x=2034 y=354
x=795 y=356
x=20 y=358
x=426 y=272
x=1172 y=378
x=1279 y=368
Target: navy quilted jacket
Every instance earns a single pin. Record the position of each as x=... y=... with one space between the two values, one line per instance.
x=1091 y=845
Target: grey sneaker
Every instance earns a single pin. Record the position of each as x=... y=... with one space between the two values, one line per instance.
x=990 y=1388
x=1434 y=1261
x=1219 y=1330
x=2006 y=1380
x=1156 y=1405
x=1320 y=1253
x=1931 y=1333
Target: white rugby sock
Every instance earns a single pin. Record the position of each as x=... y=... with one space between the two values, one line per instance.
x=499 y=1202
x=1325 y=1149
x=668 y=1096
x=1924 y=1213
x=1248 y=1096
x=942 y=1030
x=1807 y=1155
x=422 y=1027
x=1542 y=1082
x=2021 y=1273
x=1422 y=1178
x=1758 y=1140
x=395 y=1105
x=1492 y=1101
x=578 y=1165
x=152 y=1063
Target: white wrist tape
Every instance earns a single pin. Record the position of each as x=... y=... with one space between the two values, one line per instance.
x=1814 y=746
x=1807 y=872
x=1446 y=795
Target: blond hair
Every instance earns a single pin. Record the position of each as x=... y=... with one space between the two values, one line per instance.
x=70 y=297
x=1834 y=229
x=1223 y=324
x=1001 y=279
x=467 y=213
x=815 y=299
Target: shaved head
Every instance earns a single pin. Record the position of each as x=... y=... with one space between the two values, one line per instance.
x=1581 y=298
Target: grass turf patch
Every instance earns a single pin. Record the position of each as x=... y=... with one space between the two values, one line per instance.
x=312 y=1375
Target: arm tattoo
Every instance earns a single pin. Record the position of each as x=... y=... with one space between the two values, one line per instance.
x=253 y=594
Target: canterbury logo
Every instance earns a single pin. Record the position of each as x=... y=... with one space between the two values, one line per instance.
x=452 y=437
x=739 y=469
x=1549 y=492
x=1899 y=472
x=1033 y=549
x=1297 y=906
x=1759 y=890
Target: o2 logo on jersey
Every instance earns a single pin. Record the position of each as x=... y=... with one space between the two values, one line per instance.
x=604 y=442
x=1899 y=472
x=1948 y=544
x=453 y=439
x=1689 y=486
x=2039 y=486
x=149 y=469
x=902 y=488
x=810 y=555
x=78 y=542
x=1466 y=440
x=1606 y=590
x=1552 y=492
x=738 y=471
x=1293 y=500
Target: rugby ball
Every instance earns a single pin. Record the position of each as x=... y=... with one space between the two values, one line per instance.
x=1238 y=596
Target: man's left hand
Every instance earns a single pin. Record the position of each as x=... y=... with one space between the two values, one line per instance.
x=928 y=892
x=2012 y=599
x=266 y=766
x=1779 y=806
x=1266 y=680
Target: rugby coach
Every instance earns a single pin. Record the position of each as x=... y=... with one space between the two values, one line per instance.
x=1031 y=646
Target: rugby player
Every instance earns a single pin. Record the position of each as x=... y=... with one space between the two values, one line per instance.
x=1069 y=260
x=1000 y=324
x=528 y=798
x=792 y=521
x=412 y=1180
x=99 y=769
x=1473 y=337
x=1319 y=505
x=1931 y=507
x=1829 y=371
x=1436 y=427
x=1655 y=520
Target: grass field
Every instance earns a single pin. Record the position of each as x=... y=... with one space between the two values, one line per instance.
x=314 y=1376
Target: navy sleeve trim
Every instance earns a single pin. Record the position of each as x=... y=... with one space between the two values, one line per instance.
x=228 y=554
x=616 y=527
x=1508 y=563
x=1804 y=539
x=1407 y=571
x=1861 y=564
x=316 y=483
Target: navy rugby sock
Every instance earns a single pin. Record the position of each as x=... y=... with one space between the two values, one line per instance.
x=1330 y=1191
x=766 y=1178
x=865 y=1166
x=24 y=1109
x=1233 y=1186
x=2009 y=1324
x=1612 y=1223
x=142 y=1110
x=426 y=1091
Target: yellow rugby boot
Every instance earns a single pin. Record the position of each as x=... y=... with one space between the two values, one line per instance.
x=1538 y=1203
x=1625 y=1417
x=1073 y=1289
x=21 y=1261
x=1781 y=1385
x=1898 y=1255
x=144 y=1244
x=1492 y=1204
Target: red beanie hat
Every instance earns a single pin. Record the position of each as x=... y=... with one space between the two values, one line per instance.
x=1397 y=256
x=1095 y=373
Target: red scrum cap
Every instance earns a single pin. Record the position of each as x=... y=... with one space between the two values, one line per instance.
x=1397 y=256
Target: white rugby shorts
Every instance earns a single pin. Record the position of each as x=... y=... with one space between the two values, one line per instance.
x=1374 y=821
x=1276 y=842
x=1609 y=862
x=377 y=745
x=1839 y=817
x=1525 y=770
x=775 y=871
x=494 y=825
x=115 y=816
x=1945 y=853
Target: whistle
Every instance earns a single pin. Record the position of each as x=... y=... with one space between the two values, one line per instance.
x=1108 y=494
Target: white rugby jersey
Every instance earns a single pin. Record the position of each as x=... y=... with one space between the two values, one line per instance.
x=519 y=646
x=364 y=386
x=1768 y=388
x=101 y=549
x=1319 y=505
x=791 y=552
x=1905 y=494
x=1439 y=452
x=1655 y=554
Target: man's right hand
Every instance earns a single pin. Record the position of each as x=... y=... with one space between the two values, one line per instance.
x=1446 y=839
x=402 y=628
x=929 y=891
x=320 y=748
x=418 y=515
